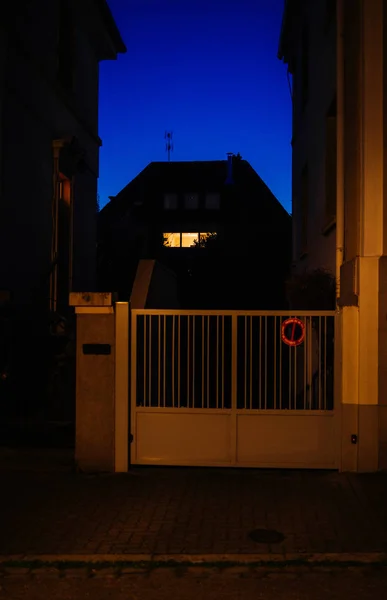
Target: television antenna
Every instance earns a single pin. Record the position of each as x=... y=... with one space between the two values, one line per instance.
x=168 y=143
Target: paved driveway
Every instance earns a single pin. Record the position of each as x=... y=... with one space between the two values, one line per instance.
x=190 y=511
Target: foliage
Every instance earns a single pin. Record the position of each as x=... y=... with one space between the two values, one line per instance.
x=207 y=241
x=312 y=290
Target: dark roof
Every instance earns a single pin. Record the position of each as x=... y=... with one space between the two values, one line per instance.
x=180 y=176
x=111 y=26
x=292 y=10
x=190 y=176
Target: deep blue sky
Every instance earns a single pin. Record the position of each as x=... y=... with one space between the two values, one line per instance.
x=206 y=69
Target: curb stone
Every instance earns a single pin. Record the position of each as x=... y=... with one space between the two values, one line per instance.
x=96 y=562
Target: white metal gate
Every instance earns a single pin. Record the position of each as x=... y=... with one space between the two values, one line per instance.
x=222 y=388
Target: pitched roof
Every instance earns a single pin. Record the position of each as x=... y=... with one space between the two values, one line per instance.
x=191 y=176
x=292 y=11
x=111 y=26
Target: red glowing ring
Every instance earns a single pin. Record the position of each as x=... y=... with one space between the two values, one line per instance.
x=292 y=340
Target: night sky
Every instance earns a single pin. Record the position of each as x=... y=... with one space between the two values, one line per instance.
x=208 y=71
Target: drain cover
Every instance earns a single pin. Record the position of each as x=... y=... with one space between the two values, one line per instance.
x=266 y=536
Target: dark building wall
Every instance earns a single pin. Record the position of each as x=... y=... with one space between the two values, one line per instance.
x=35 y=110
x=38 y=107
x=312 y=60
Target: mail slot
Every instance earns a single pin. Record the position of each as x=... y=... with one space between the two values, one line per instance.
x=96 y=349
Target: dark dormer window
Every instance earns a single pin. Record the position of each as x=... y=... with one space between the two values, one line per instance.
x=191 y=201
x=212 y=201
x=170 y=201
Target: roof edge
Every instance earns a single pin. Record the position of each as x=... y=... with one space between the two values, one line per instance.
x=281 y=53
x=111 y=26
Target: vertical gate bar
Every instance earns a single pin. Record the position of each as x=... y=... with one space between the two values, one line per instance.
x=159 y=361
x=260 y=365
x=165 y=361
x=234 y=389
x=319 y=363
x=310 y=365
x=275 y=363
x=295 y=375
x=203 y=362
x=325 y=360
x=188 y=357
x=193 y=360
x=280 y=365
x=305 y=351
x=145 y=349
x=133 y=388
x=150 y=359
x=208 y=361
x=290 y=378
x=266 y=318
x=223 y=374
x=178 y=359
x=245 y=361
x=217 y=361
x=251 y=362
x=173 y=361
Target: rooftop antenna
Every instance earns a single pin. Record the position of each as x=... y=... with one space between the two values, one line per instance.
x=168 y=143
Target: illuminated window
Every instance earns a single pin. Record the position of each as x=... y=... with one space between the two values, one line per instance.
x=172 y=240
x=205 y=238
x=187 y=239
x=191 y=201
x=212 y=201
x=170 y=201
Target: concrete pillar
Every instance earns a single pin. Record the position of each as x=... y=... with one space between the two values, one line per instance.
x=101 y=442
x=363 y=391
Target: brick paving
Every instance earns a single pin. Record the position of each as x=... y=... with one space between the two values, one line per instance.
x=190 y=511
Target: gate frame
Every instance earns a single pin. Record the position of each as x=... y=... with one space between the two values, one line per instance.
x=335 y=413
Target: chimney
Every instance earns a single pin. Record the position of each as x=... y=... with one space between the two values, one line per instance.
x=229 y=179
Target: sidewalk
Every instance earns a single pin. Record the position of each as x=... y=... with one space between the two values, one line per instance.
x=159 y=511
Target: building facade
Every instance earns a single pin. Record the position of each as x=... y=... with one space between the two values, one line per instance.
x=335 y=52
x=49 y=61
x=214 y=223
x=50 y=52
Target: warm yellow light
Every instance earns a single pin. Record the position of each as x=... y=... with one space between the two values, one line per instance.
x=189 y=239
x=171 y=240
x=186 y=239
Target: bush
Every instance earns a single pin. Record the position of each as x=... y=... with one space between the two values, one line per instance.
x=312 y=290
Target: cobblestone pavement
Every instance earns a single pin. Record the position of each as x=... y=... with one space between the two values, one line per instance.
x=189 y=584
x=191 y=511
